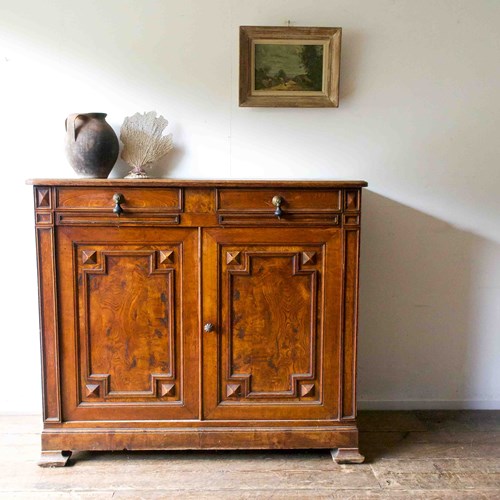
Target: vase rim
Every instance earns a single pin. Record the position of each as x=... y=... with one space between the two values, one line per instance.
x=94 y=114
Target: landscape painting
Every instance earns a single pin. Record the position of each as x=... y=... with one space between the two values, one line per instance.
x=288 y=67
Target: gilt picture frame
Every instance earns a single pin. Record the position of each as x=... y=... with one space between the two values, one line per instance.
x=296 y=67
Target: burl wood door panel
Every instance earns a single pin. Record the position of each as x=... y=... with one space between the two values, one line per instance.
x=129 y=327
x=276 y=311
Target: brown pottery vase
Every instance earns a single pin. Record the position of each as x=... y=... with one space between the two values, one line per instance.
x=91 y=144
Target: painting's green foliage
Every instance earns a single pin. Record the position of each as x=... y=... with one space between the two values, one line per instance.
x=312 y=60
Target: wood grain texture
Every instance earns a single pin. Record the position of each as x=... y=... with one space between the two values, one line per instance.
x=49 y=336
x=294 y=200
x=128 y=363
x=166 y=200
x=273 y=329
x=132 y=303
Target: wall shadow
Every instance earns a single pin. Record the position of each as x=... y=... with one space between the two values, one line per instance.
x=418 y=337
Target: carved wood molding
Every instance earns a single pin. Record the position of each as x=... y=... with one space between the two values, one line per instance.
x=96 y=262
x=240 y=263
x=43 y=198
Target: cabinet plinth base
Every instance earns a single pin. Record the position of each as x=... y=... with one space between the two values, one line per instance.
x=54 y=458
x=347 y=456
x=345 y=438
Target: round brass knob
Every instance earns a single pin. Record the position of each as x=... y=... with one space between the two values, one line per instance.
x=277 y=201
x=118 y=200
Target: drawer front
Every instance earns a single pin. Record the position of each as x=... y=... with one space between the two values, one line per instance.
x=134 y=199
x=293 y=200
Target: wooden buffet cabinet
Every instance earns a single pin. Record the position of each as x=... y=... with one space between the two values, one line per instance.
x=198 y=315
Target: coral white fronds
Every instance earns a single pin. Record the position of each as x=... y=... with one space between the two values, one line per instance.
x=143 y=141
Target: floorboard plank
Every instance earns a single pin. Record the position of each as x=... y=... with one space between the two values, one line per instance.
x=415 y=455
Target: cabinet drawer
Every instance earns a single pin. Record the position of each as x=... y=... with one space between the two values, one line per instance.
x=293 y=200
x=297 y=205
x=135 y=199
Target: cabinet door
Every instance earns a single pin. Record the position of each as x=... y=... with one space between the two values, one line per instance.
x=129 y=323
x=274 y=299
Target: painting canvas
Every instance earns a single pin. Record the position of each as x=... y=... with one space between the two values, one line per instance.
x=289 y=66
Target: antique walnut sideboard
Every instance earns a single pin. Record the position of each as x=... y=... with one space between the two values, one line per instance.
x=198 y=315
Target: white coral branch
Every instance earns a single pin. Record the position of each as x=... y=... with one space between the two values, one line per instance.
x=143 y=139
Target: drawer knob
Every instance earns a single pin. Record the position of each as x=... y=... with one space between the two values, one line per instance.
x=118 y=199
x=277 y=201
x=209 y=327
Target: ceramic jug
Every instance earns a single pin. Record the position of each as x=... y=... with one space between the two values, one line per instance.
x=91 y=144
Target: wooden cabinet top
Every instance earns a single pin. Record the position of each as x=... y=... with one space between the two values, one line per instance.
x=199 y=183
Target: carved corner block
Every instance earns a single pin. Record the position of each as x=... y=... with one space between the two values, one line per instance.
x=43 y=198
x=352 y=200
x=167 y=390
x=166 y=256
x=233 y=390
x=89 y=257
x=308 y=258
x=306 y=390
x=233 y=258
x=92 y=390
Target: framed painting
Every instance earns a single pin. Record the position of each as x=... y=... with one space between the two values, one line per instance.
x=289 y=66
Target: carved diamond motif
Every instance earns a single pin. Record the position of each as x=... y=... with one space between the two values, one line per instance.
x=166 y=256
x=93 y=390
x=308 y=257
x=233 y=390
x=43 y=198
x=89 y=257
x=352 y=200
x=233 y=258
x=167 y=390
x=306 y=390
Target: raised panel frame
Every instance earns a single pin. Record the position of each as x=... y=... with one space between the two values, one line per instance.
x=94 y=263
x=169 y=397
x=244 y=268
x=321 y=402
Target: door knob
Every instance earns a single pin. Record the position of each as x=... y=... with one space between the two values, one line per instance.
x=209 y=327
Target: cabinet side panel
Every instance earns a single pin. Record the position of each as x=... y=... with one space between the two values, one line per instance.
x=351 y=255
x=48 y=324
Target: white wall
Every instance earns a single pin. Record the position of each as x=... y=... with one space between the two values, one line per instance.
x=418 y=118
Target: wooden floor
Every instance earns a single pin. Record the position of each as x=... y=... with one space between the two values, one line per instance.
x=417 y=455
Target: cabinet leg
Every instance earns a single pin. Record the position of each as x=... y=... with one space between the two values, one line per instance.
x=54 y=458
x=347 y=456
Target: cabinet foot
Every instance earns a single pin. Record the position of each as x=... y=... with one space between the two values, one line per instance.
x=55 y=458
x=347 y=456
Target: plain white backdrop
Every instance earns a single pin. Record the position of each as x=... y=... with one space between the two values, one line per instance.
x=418 y=119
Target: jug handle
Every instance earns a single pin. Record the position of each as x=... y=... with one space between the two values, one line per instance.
x=71 y=119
